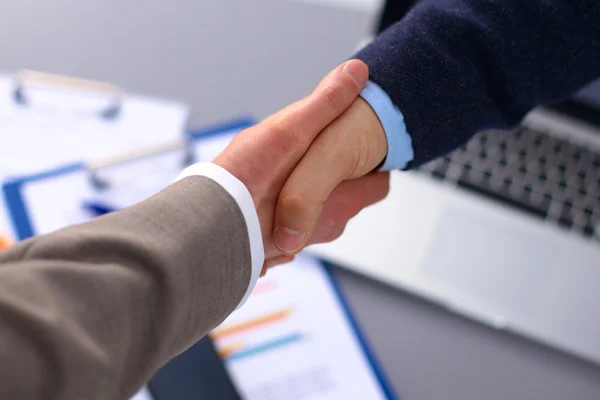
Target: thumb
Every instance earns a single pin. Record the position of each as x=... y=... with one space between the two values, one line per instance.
x=263 y=156
x=349 y=148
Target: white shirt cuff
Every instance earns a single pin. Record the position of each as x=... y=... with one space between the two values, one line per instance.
x=243 y=198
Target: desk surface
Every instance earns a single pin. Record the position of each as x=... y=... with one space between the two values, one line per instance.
x=237 y=56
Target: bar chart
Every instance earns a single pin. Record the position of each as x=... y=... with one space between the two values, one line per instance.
x=291 y=340
x=5 y=242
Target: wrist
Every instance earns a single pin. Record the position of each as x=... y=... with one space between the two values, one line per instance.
x=375 y=142
x=240 y=193
x=263 y=204
x=399 y=150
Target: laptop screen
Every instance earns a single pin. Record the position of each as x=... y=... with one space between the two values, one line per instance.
x=585 y=104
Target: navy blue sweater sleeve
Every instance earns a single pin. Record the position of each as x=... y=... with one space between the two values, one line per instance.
x=455 y=67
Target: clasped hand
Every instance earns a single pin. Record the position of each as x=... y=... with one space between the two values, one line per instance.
x=309 y=166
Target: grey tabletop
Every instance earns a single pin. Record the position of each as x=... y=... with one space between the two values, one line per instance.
x=232 y=57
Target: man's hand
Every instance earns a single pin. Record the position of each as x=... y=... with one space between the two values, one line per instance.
x=264 y=156
x=338 y=160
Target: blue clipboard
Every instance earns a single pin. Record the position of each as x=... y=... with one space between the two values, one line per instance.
x=13 y=189
x=386 y=387
x=166 y=384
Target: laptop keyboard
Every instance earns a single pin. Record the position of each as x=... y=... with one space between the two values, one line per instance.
x=538 y=173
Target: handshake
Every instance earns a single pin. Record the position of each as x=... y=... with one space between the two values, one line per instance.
x=309 y=166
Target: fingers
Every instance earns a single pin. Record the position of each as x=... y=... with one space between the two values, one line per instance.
x=266 y=153
x=347 y=200
x=274 y=261
x=350 y=147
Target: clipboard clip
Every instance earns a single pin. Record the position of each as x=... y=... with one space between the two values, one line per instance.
x=185 y=145
x=34 y=87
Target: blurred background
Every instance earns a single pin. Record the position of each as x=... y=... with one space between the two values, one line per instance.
x=222 y=57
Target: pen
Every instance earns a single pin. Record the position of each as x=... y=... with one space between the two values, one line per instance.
x=96 y=208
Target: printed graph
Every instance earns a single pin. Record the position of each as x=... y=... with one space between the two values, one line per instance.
x=239 y=351
x=250 y=324
x=256 y=335
x=291 y=340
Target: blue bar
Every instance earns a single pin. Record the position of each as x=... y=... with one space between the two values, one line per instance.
x=265 y=347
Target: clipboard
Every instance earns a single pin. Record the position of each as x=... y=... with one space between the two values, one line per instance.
x=108 y=97
x=47 y=120
x=90 y=174
x=69 y=118
x=178 y=379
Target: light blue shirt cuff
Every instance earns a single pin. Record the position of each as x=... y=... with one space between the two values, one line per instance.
x=400 y=150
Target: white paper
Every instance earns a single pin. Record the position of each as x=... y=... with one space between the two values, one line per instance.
x=38 y=137
x=56 y=202
x=292 y=340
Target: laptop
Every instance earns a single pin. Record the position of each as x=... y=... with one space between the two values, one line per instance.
x=505 y=230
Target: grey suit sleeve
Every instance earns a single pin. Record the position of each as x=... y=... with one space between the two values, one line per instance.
x=93 y=310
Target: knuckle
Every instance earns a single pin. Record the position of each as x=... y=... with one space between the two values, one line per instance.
x=285 y=138
x=360 y=156
x=346 y=154
x=335 y=98
x=351 y=151
x=282 y=137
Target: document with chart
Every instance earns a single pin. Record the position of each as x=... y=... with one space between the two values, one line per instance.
x=293 y=340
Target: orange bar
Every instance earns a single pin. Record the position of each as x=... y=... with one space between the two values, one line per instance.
x=226 y=351
x=5 y=242
x=250 y=324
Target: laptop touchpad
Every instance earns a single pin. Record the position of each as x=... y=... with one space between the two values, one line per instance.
x=490 y=260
